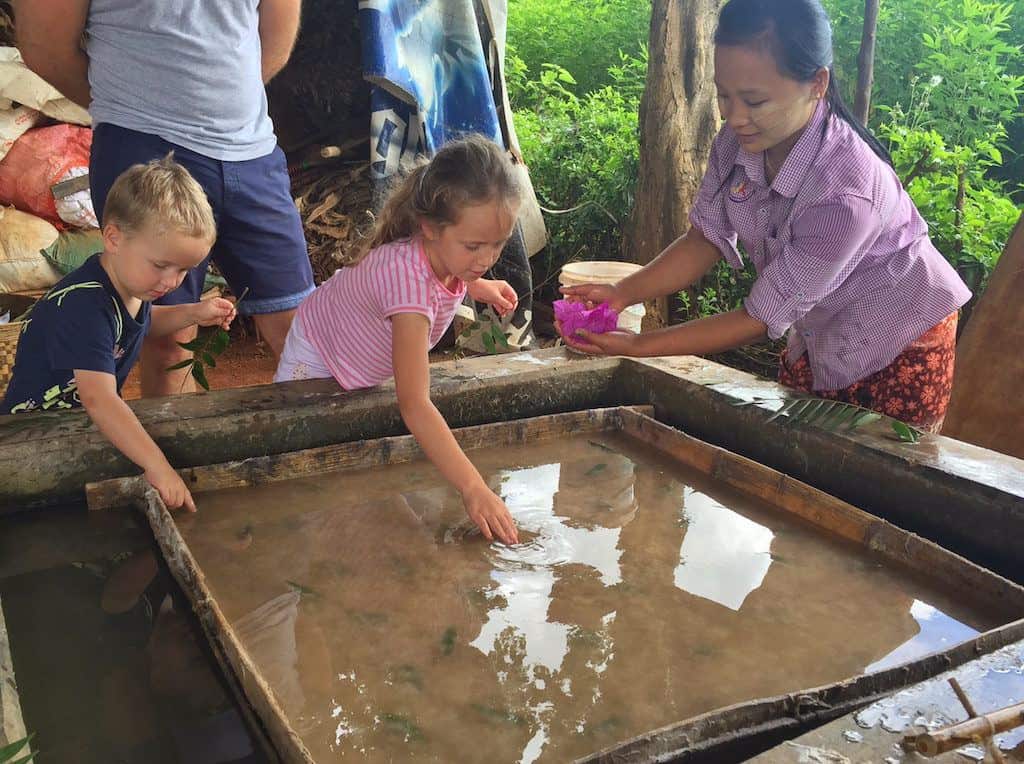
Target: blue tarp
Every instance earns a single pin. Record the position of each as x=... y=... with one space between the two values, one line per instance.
x=428 y=75
x=427 y=65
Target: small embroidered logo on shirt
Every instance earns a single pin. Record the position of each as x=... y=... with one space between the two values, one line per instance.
x=740 y=190
x=118 y=352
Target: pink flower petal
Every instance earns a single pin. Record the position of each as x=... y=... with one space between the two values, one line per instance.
x=573 y=316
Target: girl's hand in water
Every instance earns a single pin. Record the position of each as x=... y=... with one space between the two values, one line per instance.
x=498 y=294
x=490 y=514
x=595 y=294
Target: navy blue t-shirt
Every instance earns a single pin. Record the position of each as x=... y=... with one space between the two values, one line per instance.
x=79 y=324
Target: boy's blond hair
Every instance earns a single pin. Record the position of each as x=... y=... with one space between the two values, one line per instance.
x=160 y=192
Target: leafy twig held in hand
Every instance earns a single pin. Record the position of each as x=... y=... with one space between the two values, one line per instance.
x=205 y=350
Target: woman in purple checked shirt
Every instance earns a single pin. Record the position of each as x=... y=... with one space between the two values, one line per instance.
x=844 y=263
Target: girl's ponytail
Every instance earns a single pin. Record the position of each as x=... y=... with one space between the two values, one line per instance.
x=838 y=106
x=467 y=171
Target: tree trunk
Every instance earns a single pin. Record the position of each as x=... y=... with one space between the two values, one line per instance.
x=866 y=62
x=987 y=408
x=678 y=121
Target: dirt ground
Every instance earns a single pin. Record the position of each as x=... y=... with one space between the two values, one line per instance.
x=246 y=361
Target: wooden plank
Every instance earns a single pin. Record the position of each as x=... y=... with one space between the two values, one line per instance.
x=930 y=699
x=120 y=492
x=716 y=736
x=951 y=492
x=254 y=694
x=978 y=727
x=255 y=698
x=228 y=425
x=787 y=712
x=830 y=514
x=12 y=724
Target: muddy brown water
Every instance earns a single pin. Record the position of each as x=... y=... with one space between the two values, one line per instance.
x=108 y=669
x=642 y=594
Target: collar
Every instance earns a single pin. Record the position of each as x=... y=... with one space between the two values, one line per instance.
x=790 y=178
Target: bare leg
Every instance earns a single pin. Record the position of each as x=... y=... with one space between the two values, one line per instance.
x=157 y=354
x=274 y=328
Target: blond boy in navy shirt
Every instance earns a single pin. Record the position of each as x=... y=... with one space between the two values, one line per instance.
x=84 y=335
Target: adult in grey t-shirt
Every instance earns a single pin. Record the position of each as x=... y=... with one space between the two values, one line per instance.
x=187 y=76
x=189 y=71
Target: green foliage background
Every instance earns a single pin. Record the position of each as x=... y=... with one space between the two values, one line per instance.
x=949 y=75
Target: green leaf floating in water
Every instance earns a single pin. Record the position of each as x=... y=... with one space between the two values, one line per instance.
x=400 y=724
x=499 y=715
x=611 y=726
x=448 y=640
x=303 y=590
x=406 y=674
x=368 y=617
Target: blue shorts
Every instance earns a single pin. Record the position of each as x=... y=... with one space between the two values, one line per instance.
x=260 y=244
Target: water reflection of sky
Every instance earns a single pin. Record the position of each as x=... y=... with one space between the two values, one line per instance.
x=525 y=574
x=937 y=632
x=724 y=556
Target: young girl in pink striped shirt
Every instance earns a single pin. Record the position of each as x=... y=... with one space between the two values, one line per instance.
x=440 y=231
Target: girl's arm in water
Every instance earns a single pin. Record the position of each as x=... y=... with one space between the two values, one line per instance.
x=412 y=381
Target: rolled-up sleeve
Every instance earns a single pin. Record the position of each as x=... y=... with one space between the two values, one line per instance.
x=708 y=213
x=828 y=241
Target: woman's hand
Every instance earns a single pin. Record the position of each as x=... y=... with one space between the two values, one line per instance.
x=595 y=294
x=618 y=342
x=498 y=294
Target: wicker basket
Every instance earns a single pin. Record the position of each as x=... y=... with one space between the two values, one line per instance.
x=15 y=304
x=9 y=334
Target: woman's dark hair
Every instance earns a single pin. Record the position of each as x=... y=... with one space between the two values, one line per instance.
x=798 y=35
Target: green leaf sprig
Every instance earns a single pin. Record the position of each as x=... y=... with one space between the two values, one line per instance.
x=492 y=336
x=834 y=416
x=205 y=349
x=16 y=753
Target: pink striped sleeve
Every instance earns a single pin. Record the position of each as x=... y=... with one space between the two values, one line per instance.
x=403 y=289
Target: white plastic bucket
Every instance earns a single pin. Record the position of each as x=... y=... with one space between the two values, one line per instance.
x=605 y=272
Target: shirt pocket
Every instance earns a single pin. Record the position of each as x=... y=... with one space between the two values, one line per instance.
x=775 y=241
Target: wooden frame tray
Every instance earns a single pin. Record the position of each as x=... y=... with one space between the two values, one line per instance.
x=680 y=741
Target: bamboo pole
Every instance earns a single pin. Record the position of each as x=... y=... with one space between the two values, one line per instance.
x=12 y=724
x=979 y=727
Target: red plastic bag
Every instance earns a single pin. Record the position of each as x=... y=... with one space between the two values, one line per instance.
x=39 y=159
